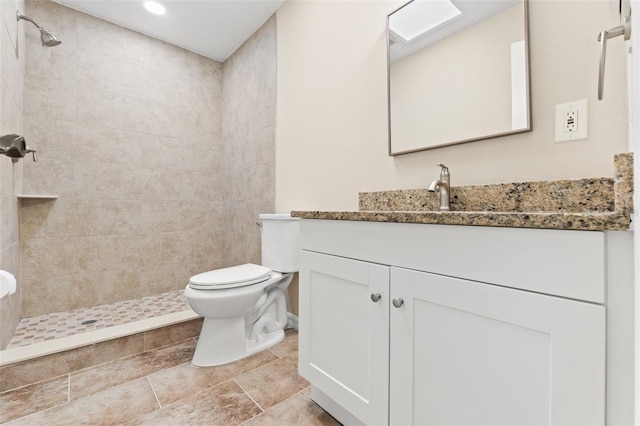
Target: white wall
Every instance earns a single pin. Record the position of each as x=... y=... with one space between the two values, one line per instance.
x=331 y=140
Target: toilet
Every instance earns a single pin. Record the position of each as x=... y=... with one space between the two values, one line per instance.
x=245 y=306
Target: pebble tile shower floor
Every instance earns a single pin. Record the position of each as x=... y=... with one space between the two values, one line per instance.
x=62 y=324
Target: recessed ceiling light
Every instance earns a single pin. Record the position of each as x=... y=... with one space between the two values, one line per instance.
x=155 y=7
x=419 y=17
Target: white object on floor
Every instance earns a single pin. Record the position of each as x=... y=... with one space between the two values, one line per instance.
x=7 y=284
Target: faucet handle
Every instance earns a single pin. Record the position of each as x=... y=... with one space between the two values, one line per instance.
x=32 y=151
x=444 y=169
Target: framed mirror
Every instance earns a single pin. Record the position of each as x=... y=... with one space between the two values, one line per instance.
x=458 y=72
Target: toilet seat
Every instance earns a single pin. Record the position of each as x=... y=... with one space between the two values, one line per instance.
x=235 y=276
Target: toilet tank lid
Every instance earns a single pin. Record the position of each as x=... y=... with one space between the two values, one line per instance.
x=232 y=275
x=277 y=216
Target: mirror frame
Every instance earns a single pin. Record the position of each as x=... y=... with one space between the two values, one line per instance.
x=525 y=17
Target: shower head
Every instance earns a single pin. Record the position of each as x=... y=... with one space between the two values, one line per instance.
x=48 y=39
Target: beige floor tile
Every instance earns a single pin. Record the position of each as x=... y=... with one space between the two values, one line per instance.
x=295 y=411
x=184 y=380
x=33 y=398
x=225 y=404
x=94 y=379
x=274 y=382
x=288 y=345
x=116 y=405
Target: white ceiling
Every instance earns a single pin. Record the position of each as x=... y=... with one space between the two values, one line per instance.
x=212 y=28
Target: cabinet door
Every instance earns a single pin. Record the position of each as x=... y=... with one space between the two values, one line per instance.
x=344 y=334
x=468 y=353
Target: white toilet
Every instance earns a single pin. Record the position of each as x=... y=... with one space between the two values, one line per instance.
x=245 y=307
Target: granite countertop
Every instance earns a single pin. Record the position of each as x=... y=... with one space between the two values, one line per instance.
x=585 y=204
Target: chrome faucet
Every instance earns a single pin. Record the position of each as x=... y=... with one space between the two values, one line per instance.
x=444 y=185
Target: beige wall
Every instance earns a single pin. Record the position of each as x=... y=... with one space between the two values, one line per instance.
x=248 y=125
x=11 y=77
x=331 y=140
x=130 y=137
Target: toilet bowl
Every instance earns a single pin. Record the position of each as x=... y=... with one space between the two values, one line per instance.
x=245 y=306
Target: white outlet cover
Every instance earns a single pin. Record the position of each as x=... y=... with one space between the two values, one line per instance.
x=582 y=131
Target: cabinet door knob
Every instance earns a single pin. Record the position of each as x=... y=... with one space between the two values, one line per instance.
x=398 y=302
x=375 y=297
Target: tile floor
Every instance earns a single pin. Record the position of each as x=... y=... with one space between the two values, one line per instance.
x=60 y=324
x=161 y=387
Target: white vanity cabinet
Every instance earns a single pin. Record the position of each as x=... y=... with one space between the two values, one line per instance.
x=470 y=325
x=466 y=353
x=346 y=340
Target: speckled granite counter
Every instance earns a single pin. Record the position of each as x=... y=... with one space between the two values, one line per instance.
x=586 y=204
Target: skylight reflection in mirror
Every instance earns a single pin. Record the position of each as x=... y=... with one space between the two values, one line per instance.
x=421 y=16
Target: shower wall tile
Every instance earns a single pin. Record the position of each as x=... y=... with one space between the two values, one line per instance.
x=265 y=148
x=6 y=171
x=49 y=98
x=33 y=218
x=47 y=257
x=100 y=36
x=100 y=253
x=248 y=117
x=57 y=294
x=163 y=57
x=78 y=217
x=145 y=116
x=10 y=66
x=163 y=88
x=11 y=119
x=94 y=144
x=9 y=220
x=170 y=153
x=162 y=278
x=39 y=63
x=54 y=17
x=36 y=133
x=12 y=63
x=150 y=148
x=100 y=108
x=94 y=69
x=162 y=215
x=265 y=182
x=207 y=250
x=210 y=186
x=48 y=176
x=103 y=180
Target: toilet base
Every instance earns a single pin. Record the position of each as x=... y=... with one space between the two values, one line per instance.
x=223 y=341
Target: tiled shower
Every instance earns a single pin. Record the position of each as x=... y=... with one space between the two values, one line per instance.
x=161 y=160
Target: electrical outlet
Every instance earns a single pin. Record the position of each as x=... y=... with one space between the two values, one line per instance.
x=572 y=121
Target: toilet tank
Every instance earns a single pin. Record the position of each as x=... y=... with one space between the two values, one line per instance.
x=280 y=242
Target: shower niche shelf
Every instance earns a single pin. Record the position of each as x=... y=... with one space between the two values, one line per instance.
x=37 y=196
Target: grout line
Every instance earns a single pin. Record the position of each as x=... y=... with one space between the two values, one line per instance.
x=287 y=399
x=69 y=388
x=247 y=393
x=154 y=391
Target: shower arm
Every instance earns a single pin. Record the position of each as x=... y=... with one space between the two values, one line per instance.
x=20 y=16
x=47 y=38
